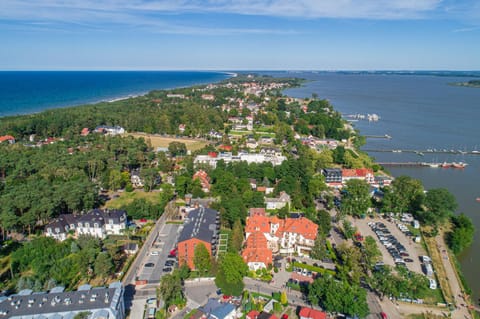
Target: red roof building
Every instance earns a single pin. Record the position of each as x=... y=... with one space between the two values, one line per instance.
x=85 y=131
x=204 y=180
x=257 y=223
x=8 y=138
x=309 y=313
x=256 y=253
x=365 y=174
x=226 y=148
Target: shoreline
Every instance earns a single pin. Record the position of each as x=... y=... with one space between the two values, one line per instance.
x=116 y=97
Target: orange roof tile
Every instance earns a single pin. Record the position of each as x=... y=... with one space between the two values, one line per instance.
x=257 y=223
x=312 y=313
x=256 y=249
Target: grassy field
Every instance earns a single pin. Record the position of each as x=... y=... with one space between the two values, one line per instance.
x=126 y=198
x=163 y=141
x=436 y=257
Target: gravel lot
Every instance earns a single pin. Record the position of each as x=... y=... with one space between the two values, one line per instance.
x=414 y=249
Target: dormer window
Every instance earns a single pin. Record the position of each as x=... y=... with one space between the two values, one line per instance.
x=95 y=225
x=110 y=221
x=87 y=225
x=49 y=230
x=57 y=230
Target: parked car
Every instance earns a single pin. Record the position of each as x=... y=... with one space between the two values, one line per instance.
x=408 y=260
x=154 y=253
x=149 y=265
x=167 y=269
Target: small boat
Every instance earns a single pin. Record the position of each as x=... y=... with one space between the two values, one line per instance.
x=446 y=165
x=478 y=199
x=459 y=165
x=435 y=165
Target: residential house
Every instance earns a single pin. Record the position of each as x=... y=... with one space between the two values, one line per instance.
x=382 y=180
x=266 y=140
x=201 y=227
x=7 y=138
x=251 y=143
x=365 y=174
x=279 y=202
x=214 y=309
x=109 y=130
x=100 y=302
x=256 y=253
x=85 y=131
x=135 y=178
x=309 y=313
x=333 y=176
x=60 y=227
x=130 y=248
x=97 y=223
x=204 y=179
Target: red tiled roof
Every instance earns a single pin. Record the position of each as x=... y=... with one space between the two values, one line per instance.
x=224 y=147
x=6 y=138
x=303 y=226
x=356 y=172
x=261 y=189
x=312 y=313
x=256 y=249
x=253 y=314
x=257 y=223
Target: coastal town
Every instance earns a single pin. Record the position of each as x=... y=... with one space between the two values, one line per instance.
x=230 y=200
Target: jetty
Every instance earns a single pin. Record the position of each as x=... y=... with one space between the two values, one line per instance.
x=426 y=164
x=378 y=136
x=421 y=152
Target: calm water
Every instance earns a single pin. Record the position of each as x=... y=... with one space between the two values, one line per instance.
x=28 y=92
x=419 y=112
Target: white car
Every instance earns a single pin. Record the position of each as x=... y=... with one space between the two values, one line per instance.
x=154 y=253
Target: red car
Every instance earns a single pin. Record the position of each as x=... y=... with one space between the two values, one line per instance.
x=384 y=315
x=173 y=252
x=284 y=316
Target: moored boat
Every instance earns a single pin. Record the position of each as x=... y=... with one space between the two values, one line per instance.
x=459 y=165
x=446 y=165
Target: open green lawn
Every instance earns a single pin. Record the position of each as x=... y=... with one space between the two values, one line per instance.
x=126 y=198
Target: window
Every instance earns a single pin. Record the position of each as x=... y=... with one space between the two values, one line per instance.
x=87 y=225
x=95 y=225
x=110 y=221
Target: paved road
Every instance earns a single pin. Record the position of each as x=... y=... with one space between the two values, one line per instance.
x=162 y=238
x=460 y=311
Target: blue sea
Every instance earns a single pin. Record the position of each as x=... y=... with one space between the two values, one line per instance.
x=23 y=92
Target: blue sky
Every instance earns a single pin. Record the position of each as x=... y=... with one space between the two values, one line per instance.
x=240 y=34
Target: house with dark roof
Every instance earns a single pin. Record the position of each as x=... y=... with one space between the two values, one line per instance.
x=214 y=309
x=97 y=223
x=201 y=226
x=333 y=176
x=100 y=302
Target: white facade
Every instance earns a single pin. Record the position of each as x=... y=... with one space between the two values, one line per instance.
x=247 y=157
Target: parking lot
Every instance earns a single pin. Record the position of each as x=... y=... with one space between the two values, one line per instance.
x=400 y=246
x=151 y=268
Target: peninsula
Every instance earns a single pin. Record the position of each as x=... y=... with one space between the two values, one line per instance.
x=471 y=83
